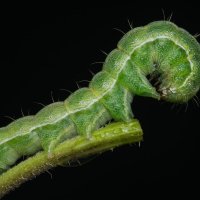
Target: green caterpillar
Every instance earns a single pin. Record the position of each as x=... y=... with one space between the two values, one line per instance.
x=160 y=50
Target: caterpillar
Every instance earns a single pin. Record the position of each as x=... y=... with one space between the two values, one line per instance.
x=160 y=51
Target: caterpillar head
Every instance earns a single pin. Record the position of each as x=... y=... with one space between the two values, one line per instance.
x=176 y=83
x=175 y=61
x=173 y=86
x=172 y=92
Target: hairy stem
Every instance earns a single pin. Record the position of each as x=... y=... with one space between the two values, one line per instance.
x=109 y=137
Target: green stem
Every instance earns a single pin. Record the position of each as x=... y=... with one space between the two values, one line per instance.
x=109 y=137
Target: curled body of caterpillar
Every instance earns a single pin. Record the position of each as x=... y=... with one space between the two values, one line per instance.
x=160 y=50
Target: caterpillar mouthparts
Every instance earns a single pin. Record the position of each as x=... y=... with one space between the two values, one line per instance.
x=163 y=88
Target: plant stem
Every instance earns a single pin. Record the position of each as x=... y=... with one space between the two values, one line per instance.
x=109 y=137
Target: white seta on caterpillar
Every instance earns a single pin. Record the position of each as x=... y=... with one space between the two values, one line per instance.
x=160 y=50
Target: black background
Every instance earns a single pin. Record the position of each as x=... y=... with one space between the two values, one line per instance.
x=43 y=53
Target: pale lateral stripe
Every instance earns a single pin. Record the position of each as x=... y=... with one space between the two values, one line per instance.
x=112 y=86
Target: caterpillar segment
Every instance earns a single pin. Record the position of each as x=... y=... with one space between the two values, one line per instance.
x=159 y=50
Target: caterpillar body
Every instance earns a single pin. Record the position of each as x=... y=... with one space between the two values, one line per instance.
x=160 y=50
